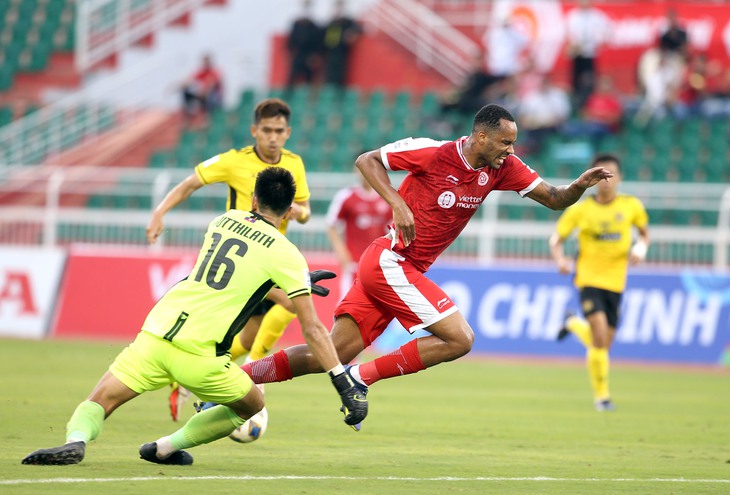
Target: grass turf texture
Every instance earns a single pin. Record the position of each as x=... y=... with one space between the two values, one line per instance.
x=478 y=425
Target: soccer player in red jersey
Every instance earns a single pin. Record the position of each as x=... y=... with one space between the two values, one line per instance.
x=446 y=183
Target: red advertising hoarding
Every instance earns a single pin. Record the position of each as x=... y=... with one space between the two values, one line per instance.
x=106 y=294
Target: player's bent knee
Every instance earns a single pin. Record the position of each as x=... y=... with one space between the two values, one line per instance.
x=464 y=342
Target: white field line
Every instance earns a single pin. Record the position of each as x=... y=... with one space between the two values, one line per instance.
x=360 y=478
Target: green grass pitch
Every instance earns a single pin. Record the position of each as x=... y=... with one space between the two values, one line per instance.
x=477 y=425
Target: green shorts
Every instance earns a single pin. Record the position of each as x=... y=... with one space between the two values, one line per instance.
x=150 y=363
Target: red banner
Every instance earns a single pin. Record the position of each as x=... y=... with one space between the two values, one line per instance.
x=106 y=294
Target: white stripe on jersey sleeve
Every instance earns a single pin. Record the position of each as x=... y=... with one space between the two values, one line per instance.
x=529 y=188
x=408 y=144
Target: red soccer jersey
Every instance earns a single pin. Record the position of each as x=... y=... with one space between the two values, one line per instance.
x=443 y=191
x=365 y=216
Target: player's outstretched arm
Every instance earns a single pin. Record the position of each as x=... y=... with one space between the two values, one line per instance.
x=177 y=195
x=320 y=344
x=560 y=197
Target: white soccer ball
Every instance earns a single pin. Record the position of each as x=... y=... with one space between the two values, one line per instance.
x=253 y=429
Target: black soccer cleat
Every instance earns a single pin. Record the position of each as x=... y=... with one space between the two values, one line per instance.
x=148 y=452
x=70 y=453
x=362 y=391
x=564 y=332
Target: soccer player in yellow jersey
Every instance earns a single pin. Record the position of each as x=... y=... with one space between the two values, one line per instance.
x=238 y=169
x=188 y=333
x=604 y=223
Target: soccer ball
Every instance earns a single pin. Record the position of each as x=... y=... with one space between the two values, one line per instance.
x=253 y=429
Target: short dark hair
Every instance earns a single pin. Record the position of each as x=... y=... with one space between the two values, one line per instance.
x=490 y=116
x=274 y=190
x=606 y=157
x=271 y=107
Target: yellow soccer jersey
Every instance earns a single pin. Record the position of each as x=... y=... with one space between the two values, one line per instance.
x=604 y=239
x=239 y=168
x=241 y=259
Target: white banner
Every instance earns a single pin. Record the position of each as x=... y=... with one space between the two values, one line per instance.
x=29 y=283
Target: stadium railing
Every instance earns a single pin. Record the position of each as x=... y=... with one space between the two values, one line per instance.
x=95 y=205
x=427 y=35
x=105 y=27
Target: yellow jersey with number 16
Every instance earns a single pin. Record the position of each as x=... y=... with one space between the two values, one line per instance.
x=242 y=258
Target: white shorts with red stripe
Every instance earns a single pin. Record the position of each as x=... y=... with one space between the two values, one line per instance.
x=387 y=286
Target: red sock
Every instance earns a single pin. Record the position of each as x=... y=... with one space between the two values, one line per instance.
x=403 y=361
x=274 y=368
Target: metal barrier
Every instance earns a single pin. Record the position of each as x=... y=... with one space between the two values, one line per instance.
x=106 y=27
x=431 y=38
x=59 y=206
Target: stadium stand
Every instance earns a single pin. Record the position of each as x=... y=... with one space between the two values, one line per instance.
x=331 y=126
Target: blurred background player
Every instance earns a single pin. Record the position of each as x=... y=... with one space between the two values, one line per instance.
x=188 y=333
x=604 y=223
x=446 y=183
x=238 y=169
x=356 y=216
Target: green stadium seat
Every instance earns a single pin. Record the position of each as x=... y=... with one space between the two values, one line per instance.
x=6 y=116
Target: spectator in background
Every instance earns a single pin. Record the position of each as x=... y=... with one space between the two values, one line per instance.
x=587 y=31
x=340 y=36
x=673 y=39
x=473 y=93
x=506 y=47
x=203 y=92
x=694 y=86
x=543 y=111
x=717 y=103
x=357 y=216
x=660 y=76
x=304 y=45
x=601 y=115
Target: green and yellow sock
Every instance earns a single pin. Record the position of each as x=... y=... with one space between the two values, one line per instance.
x=85 y=423
x=205 y=427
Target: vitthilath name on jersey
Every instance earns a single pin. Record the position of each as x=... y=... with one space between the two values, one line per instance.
x=245 y=231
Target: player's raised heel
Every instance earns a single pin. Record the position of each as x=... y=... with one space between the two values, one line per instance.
x=148 y=452
x=70 y=453
x=564 y=332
